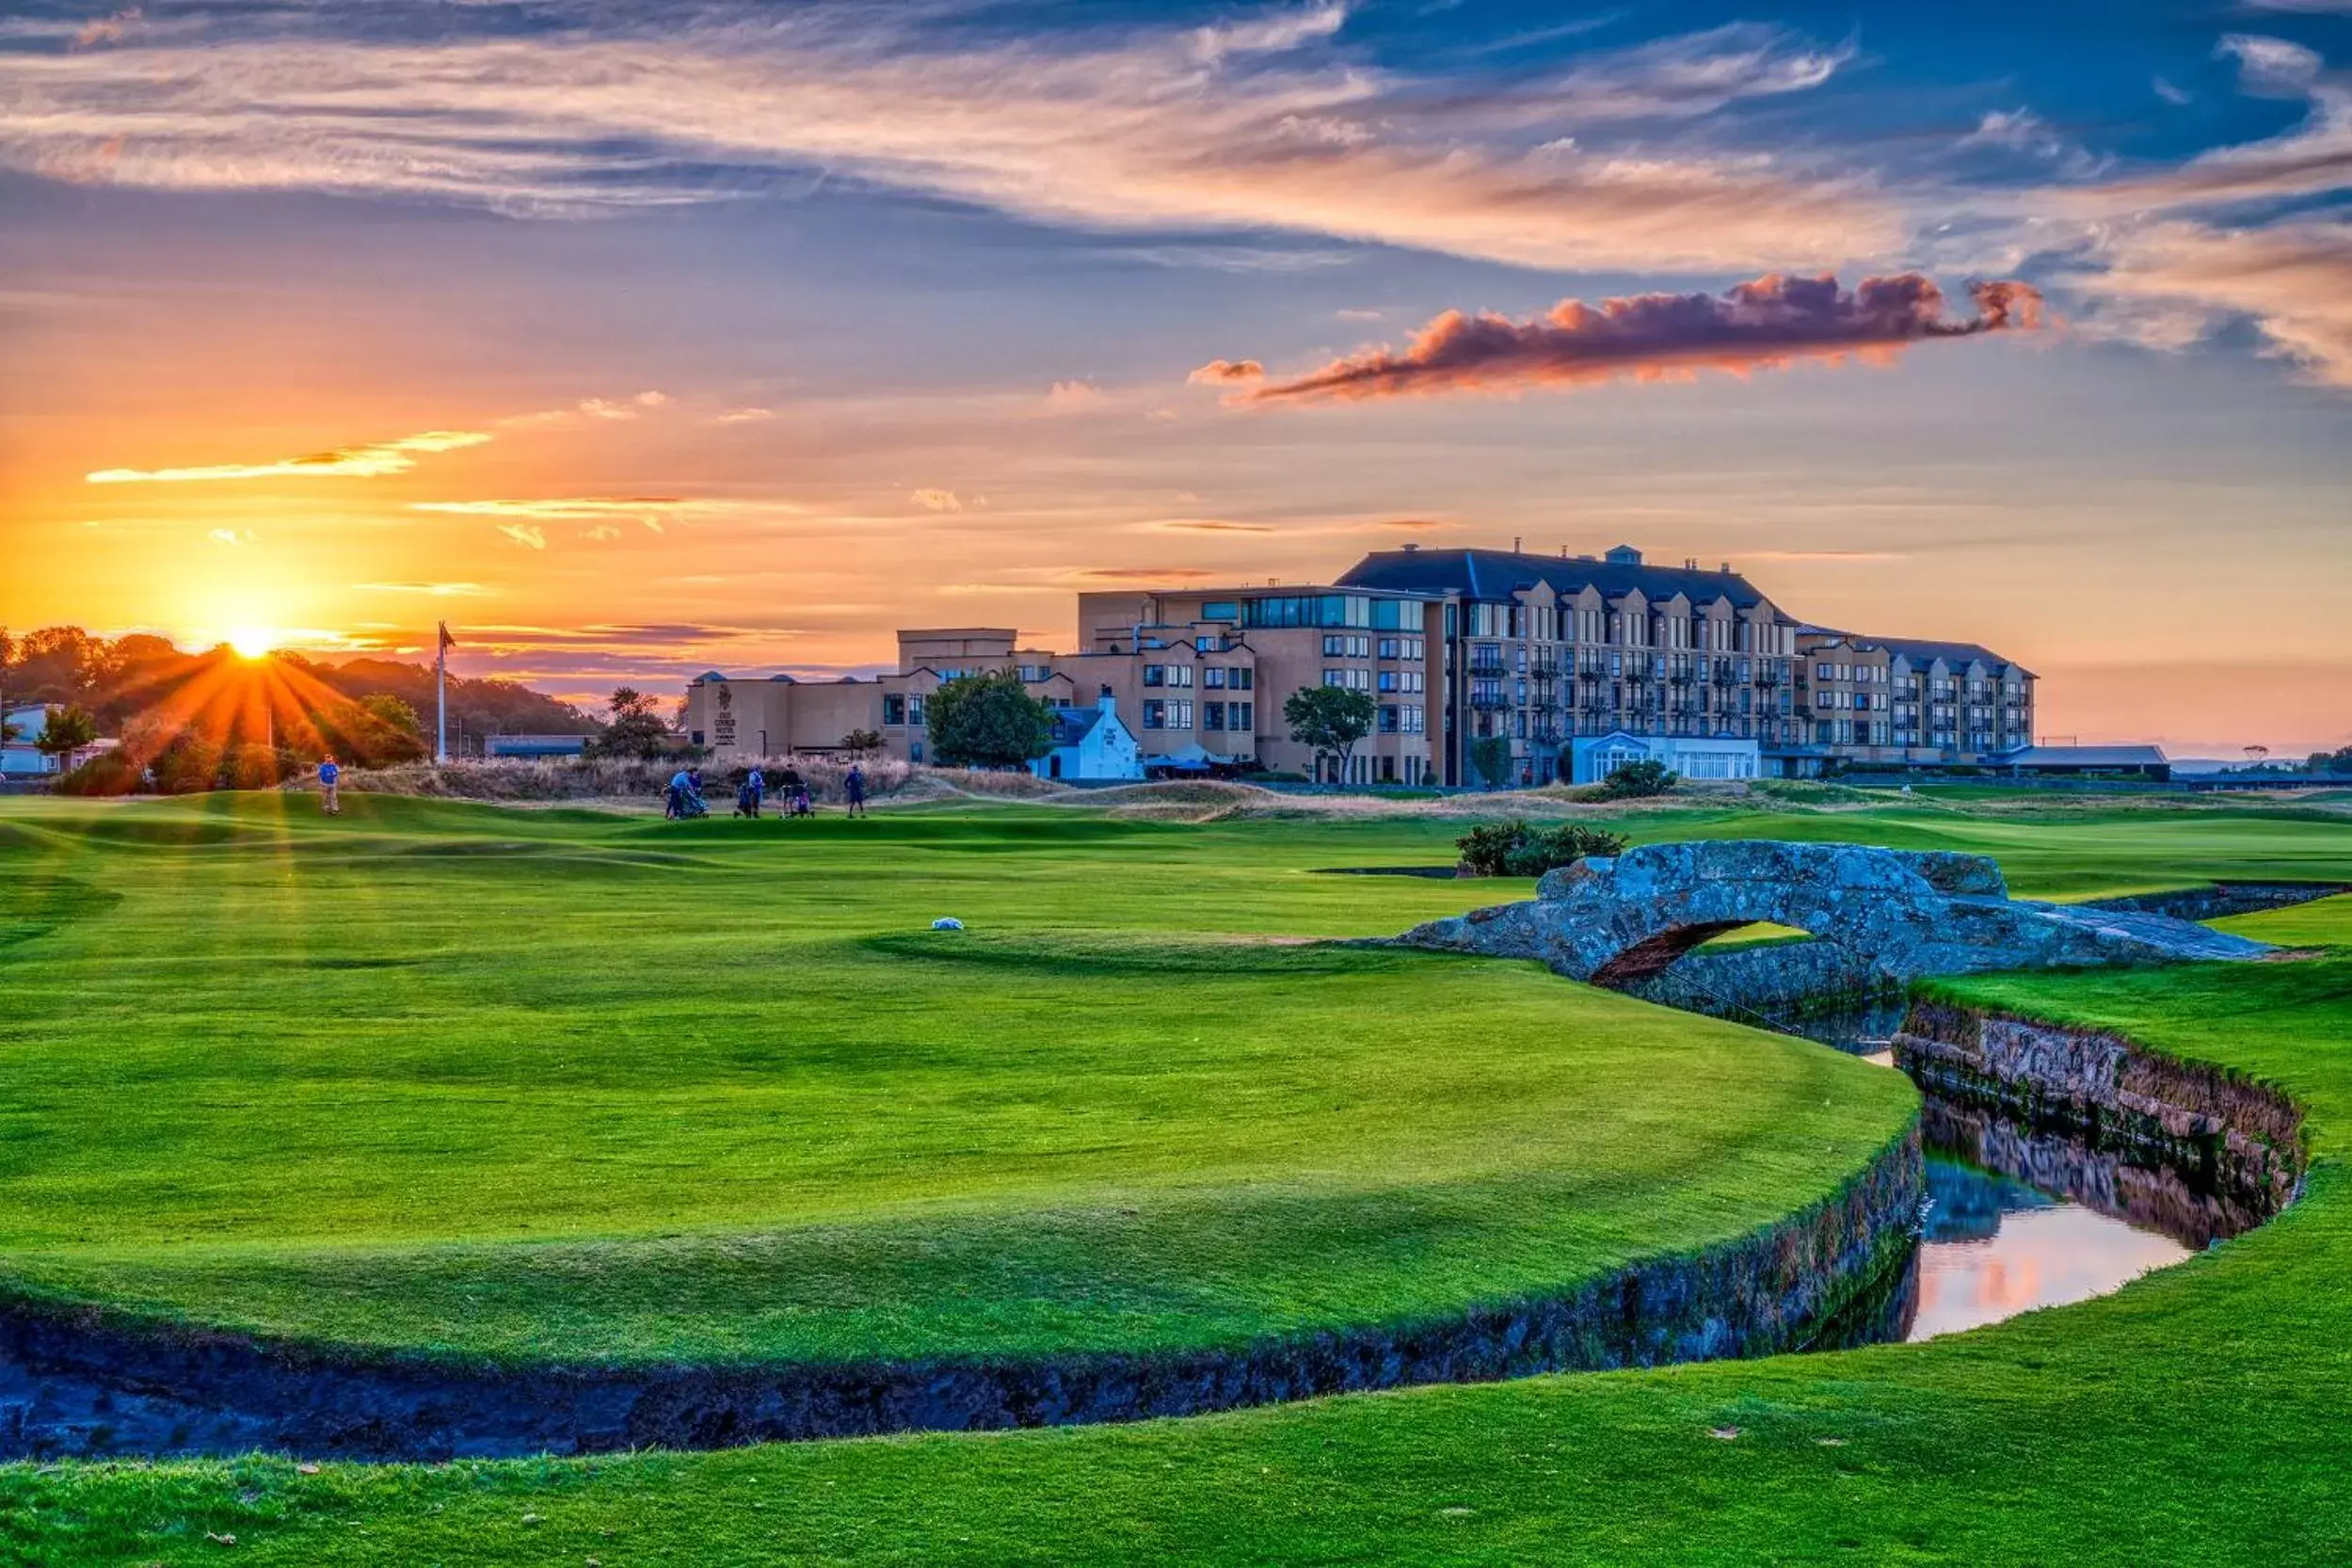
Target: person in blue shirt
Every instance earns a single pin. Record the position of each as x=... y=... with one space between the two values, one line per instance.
x=329 y=776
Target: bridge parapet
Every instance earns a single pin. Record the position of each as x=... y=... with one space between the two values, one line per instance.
x=1903 y=913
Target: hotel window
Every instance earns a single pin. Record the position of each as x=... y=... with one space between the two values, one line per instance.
x=1033 y=674
x=893 y=709
x=1214 y=677
x=1353 y=680
x=1389 y=646
x=1179 y=715
x=1179 y=675
x=1416 y=721
x=1224 y=610
x=1154 y=715
x=1388 y=680
x=1241 y=717
x=1154 y=675
x=1389 y=718
x=1212 y=715
x=914 y=711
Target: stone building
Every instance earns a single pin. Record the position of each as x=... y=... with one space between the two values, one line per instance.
x=1549 y=653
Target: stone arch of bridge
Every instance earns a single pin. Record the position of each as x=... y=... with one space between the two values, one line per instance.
x=1650 y=956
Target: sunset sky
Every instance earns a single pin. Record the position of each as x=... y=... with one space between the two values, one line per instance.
x=637 y=338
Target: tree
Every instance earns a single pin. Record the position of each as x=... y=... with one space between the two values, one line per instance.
x=68 y=729
x=1490 y=755
x=636 y=728
x=862 y=743
x=1330 y=720
x=393 y=713
x=1638 y=780
x=987 y=721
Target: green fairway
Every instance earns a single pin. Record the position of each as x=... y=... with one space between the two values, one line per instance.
x=206 y=999
x=585 y=1088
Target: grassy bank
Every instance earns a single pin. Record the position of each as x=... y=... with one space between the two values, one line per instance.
x=2195 y=1416
x=558 y=1085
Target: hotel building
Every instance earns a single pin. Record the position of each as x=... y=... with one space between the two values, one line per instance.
x=1576 y=663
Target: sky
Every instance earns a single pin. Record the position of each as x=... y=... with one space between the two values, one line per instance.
x=635 y=339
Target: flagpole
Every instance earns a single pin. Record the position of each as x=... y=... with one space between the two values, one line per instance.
x=440 y=697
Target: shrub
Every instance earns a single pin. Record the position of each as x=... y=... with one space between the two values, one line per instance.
x=1517 y=848
x=1638 y=780
x=109 y=773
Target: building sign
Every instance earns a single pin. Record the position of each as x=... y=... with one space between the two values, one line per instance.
x=723 y=724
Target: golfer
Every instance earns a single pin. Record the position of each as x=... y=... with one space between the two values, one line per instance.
x=853 y=786
x=329 y=776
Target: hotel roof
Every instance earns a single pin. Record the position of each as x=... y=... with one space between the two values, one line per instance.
x=1497 y=574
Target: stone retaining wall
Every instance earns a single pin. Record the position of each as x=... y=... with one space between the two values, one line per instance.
x=2221 y=899
x=73 y=1384
x=2232 y=1137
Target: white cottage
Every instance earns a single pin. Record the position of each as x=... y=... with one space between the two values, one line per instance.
x=1091 y=744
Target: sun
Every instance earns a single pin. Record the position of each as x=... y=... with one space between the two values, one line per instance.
x=252 y=642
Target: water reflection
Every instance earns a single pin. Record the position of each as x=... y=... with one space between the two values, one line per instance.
x=2024 y=1218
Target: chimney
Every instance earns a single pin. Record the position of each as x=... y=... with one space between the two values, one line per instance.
x=1727 y=568
x=1516 y=542
x=1109 y=700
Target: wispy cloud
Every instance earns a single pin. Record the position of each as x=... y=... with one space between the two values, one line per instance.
x=230 y=537
x=1759 y=324
x=1227 y=373
x=746 y=416
x=373 y=461
x=432 y=590
x=530 y=535
x=937 y=500
x=2313 y=158
x=648 y=509
x=2294 y=281
x=1278 y=126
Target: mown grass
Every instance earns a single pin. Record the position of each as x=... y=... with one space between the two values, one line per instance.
x=2194 y=1418
x=574 y=1087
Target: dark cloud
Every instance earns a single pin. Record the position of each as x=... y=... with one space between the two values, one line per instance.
x=1758 y=324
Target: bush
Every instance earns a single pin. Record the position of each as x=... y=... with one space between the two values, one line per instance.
x=1516 y=848
x=1637 y=781
x=109 y=773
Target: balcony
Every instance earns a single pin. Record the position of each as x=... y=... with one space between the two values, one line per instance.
x=1490 y=702
x=1490 y=668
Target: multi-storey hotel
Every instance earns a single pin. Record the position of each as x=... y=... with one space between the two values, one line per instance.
x=1577 y=662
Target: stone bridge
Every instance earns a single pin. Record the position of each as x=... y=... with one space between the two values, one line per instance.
x=1895 y=915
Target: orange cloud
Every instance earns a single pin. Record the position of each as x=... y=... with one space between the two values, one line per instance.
x=371 y=462
x=1765 y=324
x=1223 y=373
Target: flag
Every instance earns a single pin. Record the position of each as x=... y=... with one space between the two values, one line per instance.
x=448 y=642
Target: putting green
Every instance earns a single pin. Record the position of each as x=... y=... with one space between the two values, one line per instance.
x=572 y=1087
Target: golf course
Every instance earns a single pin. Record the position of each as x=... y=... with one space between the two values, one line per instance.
x=500 y=1092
